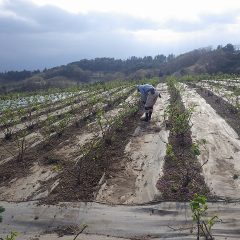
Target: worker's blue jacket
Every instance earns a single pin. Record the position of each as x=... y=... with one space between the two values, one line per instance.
x=144 y=90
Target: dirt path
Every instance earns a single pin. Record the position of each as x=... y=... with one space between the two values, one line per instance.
x=222 y=149
x=157 y=221
x=135 y=182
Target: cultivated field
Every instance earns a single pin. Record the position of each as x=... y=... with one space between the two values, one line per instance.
x=81 y=157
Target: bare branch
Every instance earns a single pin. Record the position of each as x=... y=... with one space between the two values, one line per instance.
x=84 y=227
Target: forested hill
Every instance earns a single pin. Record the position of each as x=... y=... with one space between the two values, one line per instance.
x=223 y=59
x=84 y=70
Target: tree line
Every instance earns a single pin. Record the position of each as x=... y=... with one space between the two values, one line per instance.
x=223 y=59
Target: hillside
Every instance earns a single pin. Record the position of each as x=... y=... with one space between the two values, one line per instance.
x=205 y=60
x=221 y=60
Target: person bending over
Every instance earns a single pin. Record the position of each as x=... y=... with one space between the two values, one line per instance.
x=149 y=97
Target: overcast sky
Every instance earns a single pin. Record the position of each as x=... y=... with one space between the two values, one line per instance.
x=44 y=33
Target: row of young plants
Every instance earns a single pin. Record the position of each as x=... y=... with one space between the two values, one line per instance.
x=31 y=120
x=53 y=126
x=73 y=89
x=49 y=131
x=25 y=157
x=220 y=87
x=40 y=100
x=33 y=108
x=19 y=100
x=225 y=83
x=91 y=151
x=32 y=114
x=110 y=89
x=226 y=86
x=182 y=179
x=231 y=94
x=29 y=114
x=210 y=77
x=181 y=175
x=76 y=116
x=36 y=108
x=228 y=91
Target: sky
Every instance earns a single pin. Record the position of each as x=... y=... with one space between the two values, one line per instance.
x=35 y=34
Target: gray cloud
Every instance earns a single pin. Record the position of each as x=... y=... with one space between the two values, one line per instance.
x=31 y=18
x=33 y=37
x=34 y=51
x=206 y=21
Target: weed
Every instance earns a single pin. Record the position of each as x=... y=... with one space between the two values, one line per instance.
x=12 y=236
x=195 y=149
x=170 y=151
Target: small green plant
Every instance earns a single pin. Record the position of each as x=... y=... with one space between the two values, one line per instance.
x=12 y=236
x=195 y=148
x=199 y=209
x=57 y=168
x=170 y=151
x=180 y=120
